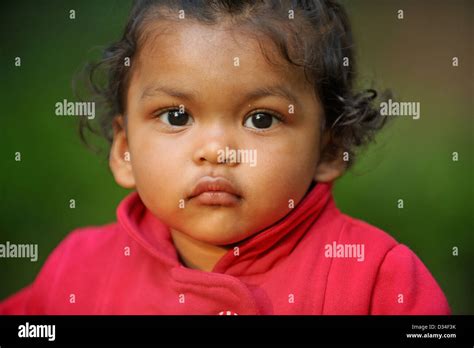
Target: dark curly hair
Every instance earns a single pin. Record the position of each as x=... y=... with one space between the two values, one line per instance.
x=318 y=39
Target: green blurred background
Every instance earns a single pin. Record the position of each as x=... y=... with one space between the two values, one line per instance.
x=411 y=160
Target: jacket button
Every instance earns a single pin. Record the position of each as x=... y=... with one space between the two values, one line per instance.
x=227 y=313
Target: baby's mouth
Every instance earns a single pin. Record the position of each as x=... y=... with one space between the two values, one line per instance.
x=215 y=191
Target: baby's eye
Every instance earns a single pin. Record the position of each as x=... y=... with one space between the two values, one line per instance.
x=261 y=120
x=174 y=117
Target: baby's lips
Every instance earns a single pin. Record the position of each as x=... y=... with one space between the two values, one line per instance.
x=217 y=198
x=216 y=185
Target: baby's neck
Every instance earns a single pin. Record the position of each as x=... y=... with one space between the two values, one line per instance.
x=196 y=254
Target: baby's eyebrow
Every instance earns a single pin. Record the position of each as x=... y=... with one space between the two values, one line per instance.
x=276 y=90
x=264 y=91
x=157 y=89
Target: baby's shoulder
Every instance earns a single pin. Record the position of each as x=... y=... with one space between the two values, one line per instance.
x=358 y=230
x=90 y=241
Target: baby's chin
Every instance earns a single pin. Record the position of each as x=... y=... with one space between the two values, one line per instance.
x=221 y=229
x=222 y=234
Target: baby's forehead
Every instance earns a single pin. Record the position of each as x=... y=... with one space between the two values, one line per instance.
x=172 y=49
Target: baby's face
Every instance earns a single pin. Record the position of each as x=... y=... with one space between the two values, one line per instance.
x=216 y=76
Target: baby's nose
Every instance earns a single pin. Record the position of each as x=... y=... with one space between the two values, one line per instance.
x=213 y=145
x=214 y=152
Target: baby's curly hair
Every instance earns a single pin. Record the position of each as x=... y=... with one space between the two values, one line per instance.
x=311 y=34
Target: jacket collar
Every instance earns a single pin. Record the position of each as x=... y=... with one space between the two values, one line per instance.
x=256 y=254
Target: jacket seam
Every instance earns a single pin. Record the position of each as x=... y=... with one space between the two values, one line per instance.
x=377 y=276
x=330 y=267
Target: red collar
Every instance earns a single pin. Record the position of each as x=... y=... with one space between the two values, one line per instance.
x=256 y=254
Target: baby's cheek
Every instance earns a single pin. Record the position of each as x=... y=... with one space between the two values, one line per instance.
x=268 y=200
x=286 y=172
x=156 y=182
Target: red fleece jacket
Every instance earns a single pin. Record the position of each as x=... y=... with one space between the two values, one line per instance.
x=316 y=260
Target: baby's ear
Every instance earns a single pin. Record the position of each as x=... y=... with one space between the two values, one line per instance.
x=331 y=163
x=119 y=157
